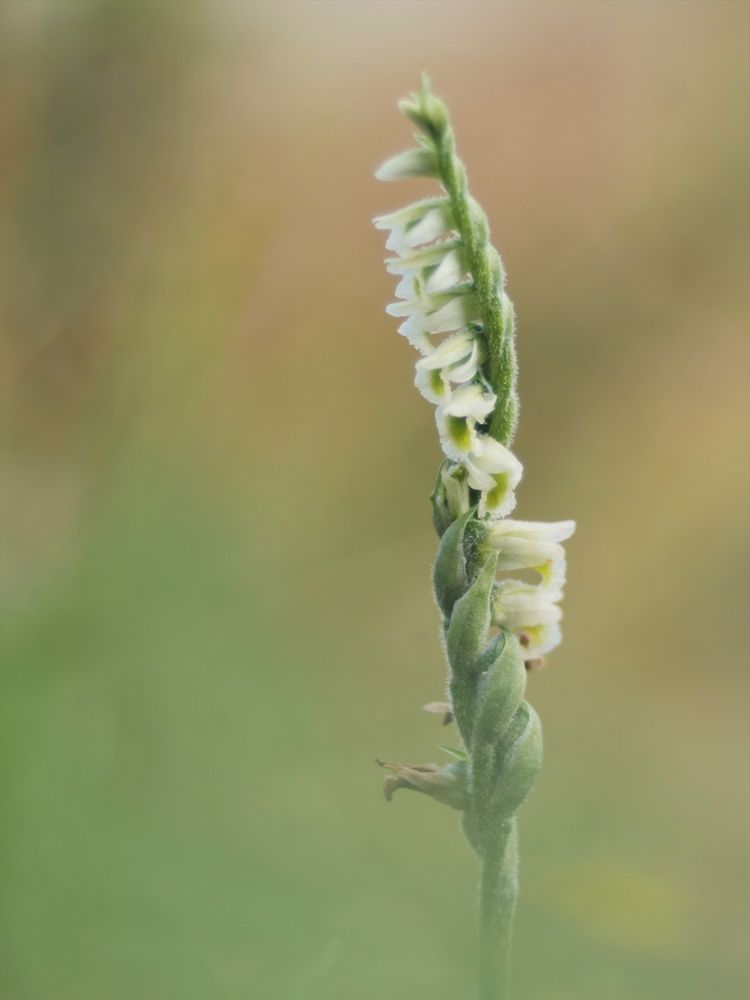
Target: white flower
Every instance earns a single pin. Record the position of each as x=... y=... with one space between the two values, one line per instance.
x=423 y=257
x=418 y=223
x=495 y=471
x=439 y=268
x=456 y=360
x=450 y=272
x=417 y=162
x=457 y=420
x=530 y=545
x=529 y=609
x=455 y=313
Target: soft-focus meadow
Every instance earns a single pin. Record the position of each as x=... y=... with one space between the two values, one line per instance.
x=215 y=470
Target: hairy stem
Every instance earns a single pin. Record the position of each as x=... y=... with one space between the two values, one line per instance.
x=498 y=889
x=486 y=270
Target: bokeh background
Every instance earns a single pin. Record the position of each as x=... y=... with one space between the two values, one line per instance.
x=217 y=540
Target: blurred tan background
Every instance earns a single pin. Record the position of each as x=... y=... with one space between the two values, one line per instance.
x=217 y=539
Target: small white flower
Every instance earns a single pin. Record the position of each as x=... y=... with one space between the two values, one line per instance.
x=464 y=371
x=457 y=312
x=425 y=257
x=417 y=162
x=530 y=545
x=456 y=359
x=433 y=384
x=408 y=216
x=495 y=471
x=457 y=420
x=450 y=272
x=471 y=401
x=418 y=223
x=458 y=349
x=530 y=610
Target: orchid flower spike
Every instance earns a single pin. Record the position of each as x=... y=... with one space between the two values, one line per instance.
x=454 y=310
x=498 y=582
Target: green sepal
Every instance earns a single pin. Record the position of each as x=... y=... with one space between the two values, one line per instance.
x=470 y=621
x=449 y=577
x=520 y=762
x=441 y=515
x=500 y=690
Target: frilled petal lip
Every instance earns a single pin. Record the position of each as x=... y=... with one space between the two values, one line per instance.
x=425 y=380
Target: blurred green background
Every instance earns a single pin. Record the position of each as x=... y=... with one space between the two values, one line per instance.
x=217 y=540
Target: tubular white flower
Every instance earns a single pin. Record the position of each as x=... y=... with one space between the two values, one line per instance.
x=471 y=401
x=458 y=435
x=433 y=384
x=457 y=313
x=457 y=419
x=531 y=611
x=495 y=471
x=418 y=223
x=425 y=304
x=456 y=359
x=417 y=162
x=458 y=349
x=424 y=257
x=530 y=545
x=451 y=271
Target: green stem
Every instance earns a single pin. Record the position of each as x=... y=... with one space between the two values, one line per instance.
x=498 y=889
x=487 y=271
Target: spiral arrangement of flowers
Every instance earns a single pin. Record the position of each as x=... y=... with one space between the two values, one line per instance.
x=455 y=312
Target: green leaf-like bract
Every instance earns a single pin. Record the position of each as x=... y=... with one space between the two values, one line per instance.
x=500 y=730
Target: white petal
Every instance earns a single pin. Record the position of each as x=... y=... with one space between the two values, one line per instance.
x=466 y=370
x=471 y=401
x=406 y=288
x=553 y=573
x=457 y=434
x=421 y=303
x=518 y=604
x=450 y=272
x=430 y=256
x=432 y=225
x=433 y=384
x=418 y=162
x=455 y=348
x=495 y=471
x=541 y=639
x=495 y=457
x=522 y=553
x=458 y=312
x=478 y=478
x=415 y=333
x=542 y=531
x=402 y=218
